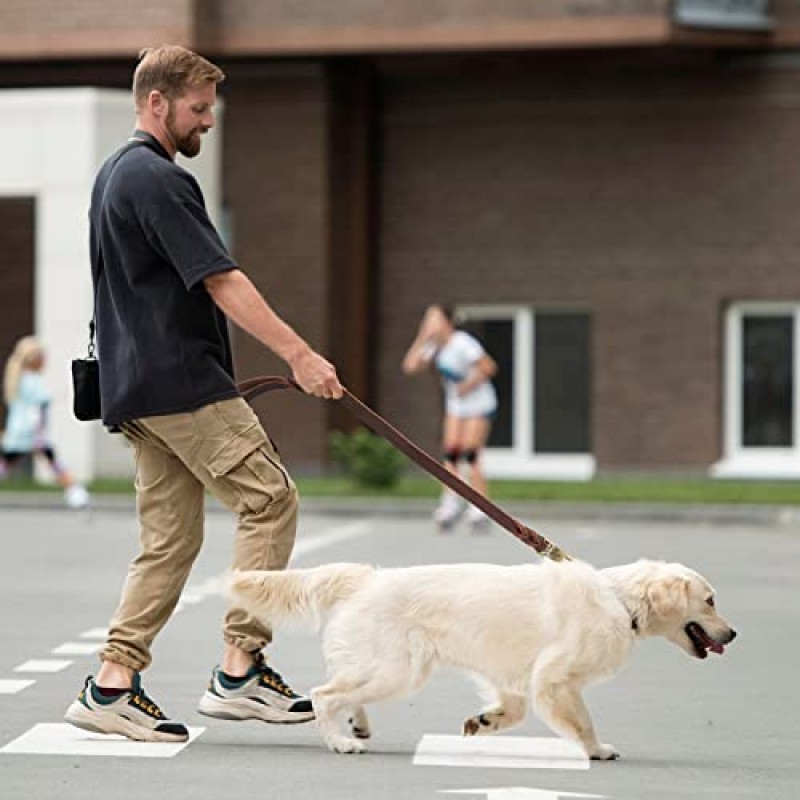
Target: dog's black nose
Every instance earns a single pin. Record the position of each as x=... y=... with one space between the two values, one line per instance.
x=732 y=635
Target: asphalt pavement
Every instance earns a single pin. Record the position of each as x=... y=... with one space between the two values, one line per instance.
x=726 y=727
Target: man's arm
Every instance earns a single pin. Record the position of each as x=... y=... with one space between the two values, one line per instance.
x=241 y=302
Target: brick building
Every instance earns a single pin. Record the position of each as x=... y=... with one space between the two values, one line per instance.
x=606 y=188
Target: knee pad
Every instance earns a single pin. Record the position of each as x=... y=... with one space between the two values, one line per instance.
x=451 y=455
x=470 y=456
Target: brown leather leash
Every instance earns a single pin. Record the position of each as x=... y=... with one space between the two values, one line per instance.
x=252 y=388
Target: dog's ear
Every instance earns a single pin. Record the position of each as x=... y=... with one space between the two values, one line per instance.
x=668 y=595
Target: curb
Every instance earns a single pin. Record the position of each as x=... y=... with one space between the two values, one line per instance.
x=771 y=515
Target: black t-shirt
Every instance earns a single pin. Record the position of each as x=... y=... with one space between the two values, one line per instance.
x=163 y=344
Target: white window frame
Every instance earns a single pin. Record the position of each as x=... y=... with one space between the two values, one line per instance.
x=737 y=460
x=521 y=460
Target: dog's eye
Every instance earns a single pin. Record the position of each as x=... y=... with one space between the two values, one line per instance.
x=710 y=602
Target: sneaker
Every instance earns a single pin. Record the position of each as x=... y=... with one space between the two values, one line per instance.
x=76 y=496
x=448 y=510
x=260 y=694
x=476 y=518
x=132 y=714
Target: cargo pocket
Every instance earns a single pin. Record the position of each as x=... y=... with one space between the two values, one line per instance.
x=247 y=474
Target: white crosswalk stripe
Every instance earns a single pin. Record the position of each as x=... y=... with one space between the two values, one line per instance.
x=43 y=665
x=61 y=739
x=508 y=752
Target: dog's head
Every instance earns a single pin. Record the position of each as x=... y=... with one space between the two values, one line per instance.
x=676 y=602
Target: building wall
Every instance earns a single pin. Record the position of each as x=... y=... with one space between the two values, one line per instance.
x=85 y=28
x=358 y=26
x=52 y=145
x=275 y=189
x=48 y=143
x=18 y=226
x=649 y=189
x=94 y=28
x=649 y=195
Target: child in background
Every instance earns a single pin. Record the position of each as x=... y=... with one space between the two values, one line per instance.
x=28 y=399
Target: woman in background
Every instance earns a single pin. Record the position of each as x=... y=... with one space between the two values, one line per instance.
x=27 y=399
x=466 y=370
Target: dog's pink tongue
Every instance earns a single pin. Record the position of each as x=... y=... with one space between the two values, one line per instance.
x=712 y=645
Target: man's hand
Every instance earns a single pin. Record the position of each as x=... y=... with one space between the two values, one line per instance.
x=316 y=376
x=235 y=294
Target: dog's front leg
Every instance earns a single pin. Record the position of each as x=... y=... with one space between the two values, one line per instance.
x=359 y=723
x=327 y=702
x=563 y=709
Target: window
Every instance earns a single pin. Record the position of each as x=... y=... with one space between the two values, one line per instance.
x=543 y=423
x=760 y=398
x=724 y=15
x=561 y=383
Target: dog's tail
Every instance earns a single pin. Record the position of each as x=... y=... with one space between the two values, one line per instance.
x=296 y=594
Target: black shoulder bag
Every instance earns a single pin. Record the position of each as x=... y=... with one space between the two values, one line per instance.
x=86 y=382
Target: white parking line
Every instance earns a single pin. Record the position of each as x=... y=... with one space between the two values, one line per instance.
x=341 y=533
x=12 y=687
x=303 y=547
x=519 y=793
x=60 y=739
x=95 y=633
x=77 y=648
x=516 y=752
x=43 y=665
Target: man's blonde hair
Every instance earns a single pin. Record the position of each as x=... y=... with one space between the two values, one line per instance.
x=172 y=70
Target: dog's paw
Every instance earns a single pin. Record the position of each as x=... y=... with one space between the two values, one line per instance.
x=471 y=727
x=480 y=724
x=604 y=752
x=343 y=744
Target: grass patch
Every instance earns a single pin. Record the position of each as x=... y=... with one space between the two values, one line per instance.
x=601 y=490
x=605 y=490
x=25 y=485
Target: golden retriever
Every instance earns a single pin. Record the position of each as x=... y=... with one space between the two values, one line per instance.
x=533 y=633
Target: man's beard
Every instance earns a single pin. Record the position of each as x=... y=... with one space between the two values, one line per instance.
x=188 y=145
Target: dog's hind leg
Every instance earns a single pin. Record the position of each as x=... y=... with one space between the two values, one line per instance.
x=561 y=706
x=350 y=692
x=508 y=712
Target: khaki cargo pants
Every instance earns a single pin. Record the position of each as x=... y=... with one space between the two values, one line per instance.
x=221 y=447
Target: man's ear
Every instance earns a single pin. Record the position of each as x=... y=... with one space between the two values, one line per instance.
x=669 y=595
x=157 y=104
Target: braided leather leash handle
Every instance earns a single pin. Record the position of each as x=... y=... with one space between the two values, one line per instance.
x=252 y=388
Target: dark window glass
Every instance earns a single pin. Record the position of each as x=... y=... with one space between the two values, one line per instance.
x=561 y=420
x=768 y=388
x=497 y=338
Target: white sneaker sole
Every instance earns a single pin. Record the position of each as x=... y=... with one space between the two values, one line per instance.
x=107 y=722
x=446 y=521
x=240 y=708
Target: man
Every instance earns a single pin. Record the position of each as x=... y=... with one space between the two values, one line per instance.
x=164 y=285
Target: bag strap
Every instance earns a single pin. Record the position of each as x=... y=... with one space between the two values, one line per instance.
x=252 y=388
x=133 y=142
